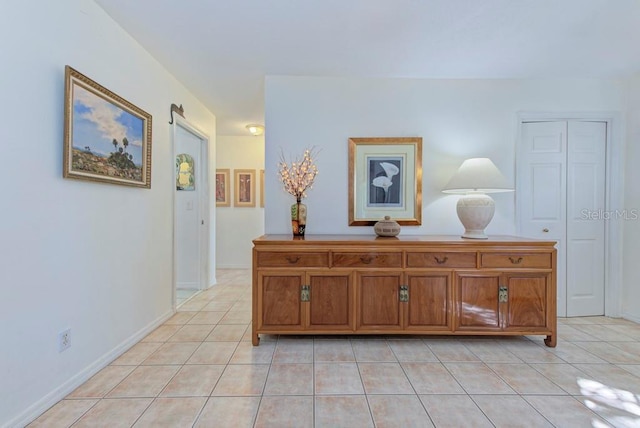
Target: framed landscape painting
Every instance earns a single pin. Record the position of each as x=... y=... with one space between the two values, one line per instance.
x=385 y=178
x=106 y=138
x=244 y=188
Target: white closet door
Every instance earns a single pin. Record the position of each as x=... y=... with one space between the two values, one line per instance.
x=541 y=190
x=560 y=196
x=586 y=218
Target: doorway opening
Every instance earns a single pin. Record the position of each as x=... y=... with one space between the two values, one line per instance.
x=190 y=211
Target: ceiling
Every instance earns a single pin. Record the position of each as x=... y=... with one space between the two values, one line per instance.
x=222 y=49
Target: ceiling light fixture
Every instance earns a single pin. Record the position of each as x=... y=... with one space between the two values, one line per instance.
x=255 y=129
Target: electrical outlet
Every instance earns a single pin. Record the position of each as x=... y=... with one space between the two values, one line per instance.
x=64 y=340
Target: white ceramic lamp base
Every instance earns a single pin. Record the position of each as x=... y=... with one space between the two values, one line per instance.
x=475 y=211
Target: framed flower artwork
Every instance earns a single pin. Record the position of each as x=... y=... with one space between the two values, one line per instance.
x=244 y=188
x=222 y=188
x=385 y=178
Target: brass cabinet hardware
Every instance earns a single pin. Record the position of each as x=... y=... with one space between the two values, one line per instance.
x=366 y=259
x=292 y=260
x=516 y=261
x=442 y=260
x=503 y=294
x=305 y=294
x=404 y=293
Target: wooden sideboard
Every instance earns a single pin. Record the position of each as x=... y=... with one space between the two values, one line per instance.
x=444 y=285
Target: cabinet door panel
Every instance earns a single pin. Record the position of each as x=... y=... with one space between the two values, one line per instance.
x=378 y=301
x=281 y=300
x=527 y=300
x=330 y=301
x=429 y=297
x=478 y=305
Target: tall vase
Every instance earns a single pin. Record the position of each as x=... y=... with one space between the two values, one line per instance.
x=298 y=218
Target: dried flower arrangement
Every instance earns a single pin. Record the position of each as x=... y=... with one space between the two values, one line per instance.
x=298 y=176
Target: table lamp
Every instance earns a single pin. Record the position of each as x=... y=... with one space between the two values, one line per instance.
x=474 y=179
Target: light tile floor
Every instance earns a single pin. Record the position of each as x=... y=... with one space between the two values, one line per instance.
x=199 y=369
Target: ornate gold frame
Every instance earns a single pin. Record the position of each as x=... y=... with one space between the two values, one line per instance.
x=91 y=163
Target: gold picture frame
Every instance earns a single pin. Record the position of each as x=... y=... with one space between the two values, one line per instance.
x=385 y=178
x=95 y=119
x=244 y=188
x=223 y=181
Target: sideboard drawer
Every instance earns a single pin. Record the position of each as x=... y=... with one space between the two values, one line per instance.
x=515 y=260
x=441 y=259
x=281 y=259
x=367 y=259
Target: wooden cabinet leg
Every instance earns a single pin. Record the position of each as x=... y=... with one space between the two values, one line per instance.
x=255 y=339
x=550 y=340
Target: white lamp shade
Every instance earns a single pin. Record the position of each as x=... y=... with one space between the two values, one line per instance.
x=477 y=175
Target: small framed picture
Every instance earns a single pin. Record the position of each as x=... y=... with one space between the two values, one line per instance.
x=106 y=138
x=244 y=188
x=222 y=188
x=385 y=178
x=185 y=172
x=262 y=188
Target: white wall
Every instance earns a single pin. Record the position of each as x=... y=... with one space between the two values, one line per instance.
x=631 y=228
x=236 y=227
x=457 y=119
x=92 y=257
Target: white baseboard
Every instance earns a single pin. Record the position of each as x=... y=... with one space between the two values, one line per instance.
x=42 y=405
x=188 y=286
x=631 y=318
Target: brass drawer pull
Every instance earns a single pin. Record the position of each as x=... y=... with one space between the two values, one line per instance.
x=293 y=260
x=516 y=261
x=305 y=294
x=503 y=294
x=404 y=293
x=366 y=259
x=442 y=260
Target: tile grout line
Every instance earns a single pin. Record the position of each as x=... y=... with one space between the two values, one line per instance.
x=411 y=383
